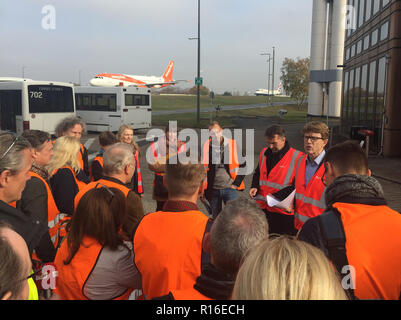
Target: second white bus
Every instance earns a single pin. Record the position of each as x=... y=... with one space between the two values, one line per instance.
x=107 y=108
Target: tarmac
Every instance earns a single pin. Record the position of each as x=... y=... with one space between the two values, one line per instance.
x=386 y=170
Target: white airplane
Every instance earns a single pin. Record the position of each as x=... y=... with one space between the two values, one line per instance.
x=125 y=80
x=266 y=92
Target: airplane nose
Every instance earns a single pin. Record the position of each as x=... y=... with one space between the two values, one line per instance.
x=93 y=82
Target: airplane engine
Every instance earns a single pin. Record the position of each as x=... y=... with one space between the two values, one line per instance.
x=157 y=86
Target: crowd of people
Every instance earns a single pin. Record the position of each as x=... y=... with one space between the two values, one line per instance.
x=328 y=235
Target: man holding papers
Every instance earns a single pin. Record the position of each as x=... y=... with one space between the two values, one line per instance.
x=274 y=178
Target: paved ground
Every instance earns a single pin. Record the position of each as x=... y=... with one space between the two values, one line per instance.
x=386 y=170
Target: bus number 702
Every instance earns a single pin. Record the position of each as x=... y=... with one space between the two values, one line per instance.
x=36 y=94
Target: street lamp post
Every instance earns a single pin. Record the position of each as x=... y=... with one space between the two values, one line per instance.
x=268 y=77
x=198 y=71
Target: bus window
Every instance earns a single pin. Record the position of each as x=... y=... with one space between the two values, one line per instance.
x=96 y=102
x=10 y=106
x=136 y=100
x=49 y=98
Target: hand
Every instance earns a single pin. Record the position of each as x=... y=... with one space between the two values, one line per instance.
x=289 y=209
x=233 y=187
x=253 y=192
x=141 y=195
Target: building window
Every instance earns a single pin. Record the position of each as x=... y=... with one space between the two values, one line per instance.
x=381 y=84
x=371 y=90
x=368 y=12
x=347 y=53
x=376 y=6
x=385 y=3
x=375 y=34
x=357 y=94
x=361 y=13
x=384 y=31
x=349 y=95
x=366 y=42
x=362 y=107
x=353 y=50
x=359 y=47
x=356 y=8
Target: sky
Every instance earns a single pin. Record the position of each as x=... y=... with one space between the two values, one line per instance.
x=87 y=37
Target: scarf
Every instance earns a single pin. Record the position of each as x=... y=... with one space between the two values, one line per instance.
x=40 y=170
x=352 y=188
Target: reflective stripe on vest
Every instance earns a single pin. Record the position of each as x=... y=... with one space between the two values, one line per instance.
x=309 y=200
x=285 y=166
x=139 y=175
x=233 y=165
x=73 y=276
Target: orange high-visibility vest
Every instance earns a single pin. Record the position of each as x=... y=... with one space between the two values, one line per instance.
x=81 y=157
x=373 y=246
x=56 y=220
x=189 y=294
x=155 y=148
x=99 y=159
x=168 y=250
x=309 y=200
x=281 y=176
x=73 y=276
x=98 y=184
x=233 y=160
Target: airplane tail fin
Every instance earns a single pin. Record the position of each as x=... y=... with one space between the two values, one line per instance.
x=168 y=74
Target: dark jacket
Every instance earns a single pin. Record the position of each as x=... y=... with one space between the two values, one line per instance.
x=33 y=203
x=212 y=171
x=272 y=158
x=97 y=169
x=212 y=283
x=86 y=161
x=29 y=228
x=64 y=189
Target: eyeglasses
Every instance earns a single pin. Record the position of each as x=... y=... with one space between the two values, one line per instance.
x=313 y=139
x=9 y=148
x=107 y=188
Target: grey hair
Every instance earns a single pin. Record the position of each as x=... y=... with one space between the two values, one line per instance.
x=240 y=226
x=117 y=157
x=12 y=160
x=68 y=123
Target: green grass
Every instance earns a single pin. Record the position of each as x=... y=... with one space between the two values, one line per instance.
x=226 y=118
x=175 y=102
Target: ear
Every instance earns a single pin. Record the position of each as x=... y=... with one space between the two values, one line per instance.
x=6 y=296
x=34 y=154
x=201 y=188
x=4 y=177
x=330 y=170
x=325 y=142
x=369 y=173
x=206 y=243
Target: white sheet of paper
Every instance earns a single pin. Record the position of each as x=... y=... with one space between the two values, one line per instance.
x=286 y=203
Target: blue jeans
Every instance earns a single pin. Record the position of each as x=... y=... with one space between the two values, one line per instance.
x=219 y=195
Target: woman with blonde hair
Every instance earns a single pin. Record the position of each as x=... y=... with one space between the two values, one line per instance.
x=67 y=177
x=126 y=134
x=287 y=269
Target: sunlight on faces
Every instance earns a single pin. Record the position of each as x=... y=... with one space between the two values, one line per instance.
x=75 y=131
x=314 y=144
x=127 y=136
x=43 y=156
x=276 y=143
x=16 y=182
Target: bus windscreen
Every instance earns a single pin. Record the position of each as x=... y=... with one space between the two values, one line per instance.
x=50 y=99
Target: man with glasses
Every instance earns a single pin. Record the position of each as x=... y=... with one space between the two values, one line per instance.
x=309 y=186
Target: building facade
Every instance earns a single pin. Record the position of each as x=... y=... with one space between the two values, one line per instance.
x=372 y=74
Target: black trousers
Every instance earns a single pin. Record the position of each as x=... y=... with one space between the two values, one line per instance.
x=280 y=223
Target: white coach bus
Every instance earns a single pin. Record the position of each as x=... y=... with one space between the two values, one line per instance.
x=30 y=104
x=107 y=108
